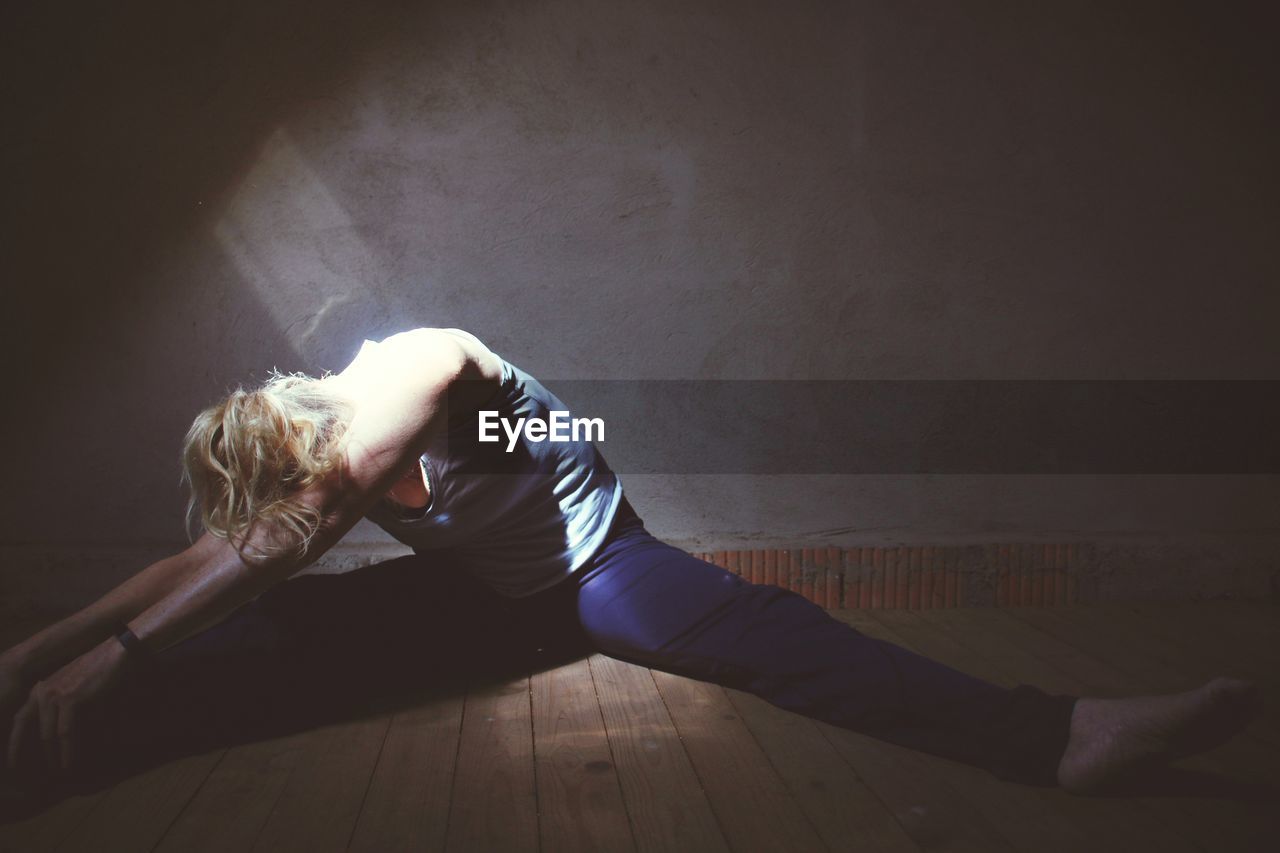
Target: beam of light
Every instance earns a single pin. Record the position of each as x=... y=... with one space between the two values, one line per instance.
x=291 y=240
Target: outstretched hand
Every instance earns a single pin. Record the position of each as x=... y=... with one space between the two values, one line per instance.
x=42 y=738
x=13 y=693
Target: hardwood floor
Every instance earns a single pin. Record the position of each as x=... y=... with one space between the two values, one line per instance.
x=602 y=755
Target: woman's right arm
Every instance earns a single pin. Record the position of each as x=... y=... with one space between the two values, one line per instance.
x=67 y=639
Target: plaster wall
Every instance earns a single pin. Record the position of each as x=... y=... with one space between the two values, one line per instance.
x=651 y=189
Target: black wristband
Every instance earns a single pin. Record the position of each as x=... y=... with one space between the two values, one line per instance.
x=132 y=645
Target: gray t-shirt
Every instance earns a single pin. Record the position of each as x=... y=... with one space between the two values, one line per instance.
x=519 y=521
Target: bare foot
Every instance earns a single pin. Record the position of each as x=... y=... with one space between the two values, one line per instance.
x=1112 y=739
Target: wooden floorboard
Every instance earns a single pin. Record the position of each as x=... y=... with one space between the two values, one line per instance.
x=844 y=810
x=602 y=755
x=579 y=797
x=233 y=804
x=666 y=806
x=753 y=806
x=321 y=801
x=924 y=793
x=136 y=813
x=495 y=799
x=407 y=805
x=48 y=829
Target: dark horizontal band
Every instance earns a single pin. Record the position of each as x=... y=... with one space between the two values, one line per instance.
x=926 y=426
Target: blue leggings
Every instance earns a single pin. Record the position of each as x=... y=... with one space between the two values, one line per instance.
x=320 y=646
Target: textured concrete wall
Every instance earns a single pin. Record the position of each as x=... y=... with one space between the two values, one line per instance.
x=657 y=189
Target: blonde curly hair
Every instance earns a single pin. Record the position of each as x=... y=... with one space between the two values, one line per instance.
x=248 y=457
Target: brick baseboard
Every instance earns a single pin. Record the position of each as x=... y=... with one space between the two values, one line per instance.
x=923 y=577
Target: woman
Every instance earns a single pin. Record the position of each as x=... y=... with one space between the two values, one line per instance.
x=542 y=532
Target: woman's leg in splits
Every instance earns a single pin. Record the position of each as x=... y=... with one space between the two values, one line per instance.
x=312 y=649
x=645 y=601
